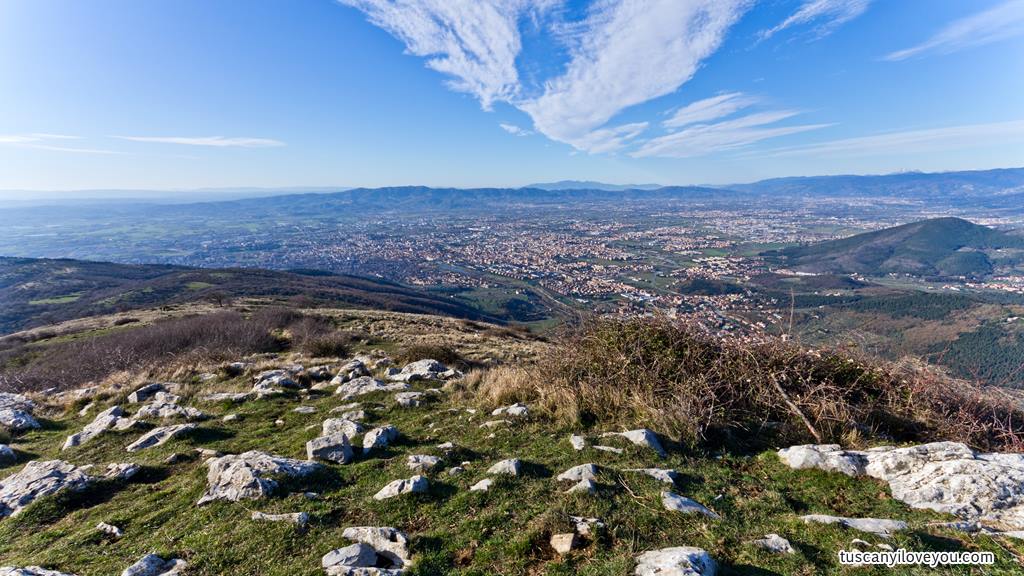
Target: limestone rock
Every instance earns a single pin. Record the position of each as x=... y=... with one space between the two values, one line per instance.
x=110 y=529
x=563 y=543
x=409 y=399
x=676 y=503
x=517 y=410
x=348 y=560
x=111 y=418
x=774 y=543
x=881 y=527
x=482 y=486
x=121 y=471
x=662 y=474
x=578 y=442
x=586 y=526
x=30 y=571
x=379 y=438
x=7 y=455
x=412 y=485
x=341 y=426
x=676 y=561
x=578 y=473
x=300 y=519
x=153 y=565
x=641 y=437
x=163 y=410
x=146 y=392
x=332 y=448
x=510 y=467
x=585 y=486
x=249 y=475
x=227 y=397
x=828 y=457
x=159 y=436
x=611 y=449
x=16 y=412
x=378 y=551
x=367 y=385
x=304 y=410
x=38 y=479
x=422 y=462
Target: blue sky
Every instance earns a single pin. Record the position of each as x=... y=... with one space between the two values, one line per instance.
x=181 y=94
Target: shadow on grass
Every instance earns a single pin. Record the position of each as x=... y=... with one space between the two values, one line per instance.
x=205 y=435
x=746 y=570
x=47 y=510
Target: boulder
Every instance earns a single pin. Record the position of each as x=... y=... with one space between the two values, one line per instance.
x=518 y=410
x=344 y=426
x=111 y=418
x=578 y=442
x=16 y=412
x=349 y=560
x=7 y=455
x=676 y=503
x=946 y=477
x=641 y=437
x=367 y=385
x=146 y=392
x=162 y=410
x=159 y=436
x=422 y=462
x=379 y=438
x=482 y=486
x=585 y=486
x=420 y=370
x=774 y=543
x=879 y=526
x=661 y=474
x=578 y=473
x=121 y=471
x=38 y=479
x=153 y=565
x=227 y=397
x=409 y=399
x=510 y=467
x=30 y=571
x=332 y=448
x=377 y=551
x=249 y=475
x=412 y=485
x=300 y=519
x=676 y=561
x=110 y=529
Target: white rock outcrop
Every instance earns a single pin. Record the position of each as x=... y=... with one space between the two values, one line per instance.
x=110 y=419
x=332 y=448
x=153 y=565
x=38 y=479
x=641 y=437
x=379 y=438
x=413 y=485
x=509 y=467
x=367 y=385
x=676 y=561
x=16 y=412
x=377 y=551
x=942 y=476
x=159 y=436
x=676 y=503
x=878 y=526
x=249 y=475
x=30 y=571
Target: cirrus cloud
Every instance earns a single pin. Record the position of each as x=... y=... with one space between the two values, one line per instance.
x=215 y=141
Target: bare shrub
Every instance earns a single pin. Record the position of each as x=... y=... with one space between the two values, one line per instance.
x=703 y=389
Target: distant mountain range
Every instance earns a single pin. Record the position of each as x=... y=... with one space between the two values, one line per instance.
x=44 y=291
x=939 y=247
x=591 y=185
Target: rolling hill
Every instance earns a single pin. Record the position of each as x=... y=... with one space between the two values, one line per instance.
x=36 y=292
x=938 y=247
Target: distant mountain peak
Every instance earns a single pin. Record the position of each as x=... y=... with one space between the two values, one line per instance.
x=591 y=185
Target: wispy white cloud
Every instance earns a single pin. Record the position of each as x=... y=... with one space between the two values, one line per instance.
x=703 y=139
x=623 y=53
x=997 y=23
x=915 y=141
x=475 y=42
x=826 y=15
x=44 y=141
x=514 y=130
x=629 y=52
x=216 y=141
x=709 y=109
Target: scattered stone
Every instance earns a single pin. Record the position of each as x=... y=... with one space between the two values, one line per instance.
x=585 y=486
x=227 y=397
x=332 y=448
x=249 y=475
x=422 y=462
x=319 y=373
x=662 y=474
x=146 y=392
x=677 y=561
x=586 y=526
x=87 y=408
x=946 y=477
x=774 y=543
x=16 y=412
x=409 y=399
x=367 y=385
x=38 y=479
x=341 y=426
x=163 y=410
x=578 y=473
x=510 y=467
x=420 y=370
x=482 y=486
x=159 y=436
x=174 y=458
x=390 y=544
x=153 y=565
x=676 y=503
x=641 y=437
x=379 y=438
x=350 y=371
x=494 y=423
x=208 y=453
x=110 y=529
x=355 y=559
x=300 y=519
x=563 y=543
x=111 y=418
x=304 y=410
x=415 y=484
x=518 y=410
x=30 y=571
x=7 y=455
x=611 y=449
x=881 y=527
x=456 y=470
x=446 y=446
x=578 y=442
x=121 y=471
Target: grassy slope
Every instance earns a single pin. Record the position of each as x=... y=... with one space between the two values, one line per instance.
x=453 y=530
